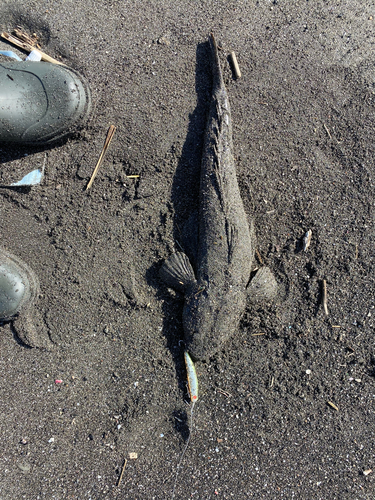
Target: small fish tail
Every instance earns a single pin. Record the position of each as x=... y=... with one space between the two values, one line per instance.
x=217 y=74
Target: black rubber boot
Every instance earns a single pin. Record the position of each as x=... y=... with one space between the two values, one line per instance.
x=19 y=290
x=40 y=102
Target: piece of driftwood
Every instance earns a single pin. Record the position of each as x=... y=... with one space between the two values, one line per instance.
x=29 y=48
x=24 y=37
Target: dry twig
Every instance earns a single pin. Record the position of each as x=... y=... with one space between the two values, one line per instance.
x=324 y=297
x=259 y=256
x=107 y=142
x=122 y=473
x=326 y=129
x=29 y=48
x=224 y=393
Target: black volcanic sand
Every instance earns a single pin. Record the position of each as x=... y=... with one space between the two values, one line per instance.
x=303 y=115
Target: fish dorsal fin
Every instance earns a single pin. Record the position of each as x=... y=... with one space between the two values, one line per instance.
x=177 y=272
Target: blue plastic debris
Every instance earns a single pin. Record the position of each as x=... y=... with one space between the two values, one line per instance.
x=11 y=54
x=31 y=179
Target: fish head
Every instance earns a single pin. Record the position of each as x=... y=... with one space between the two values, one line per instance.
x=210 y=318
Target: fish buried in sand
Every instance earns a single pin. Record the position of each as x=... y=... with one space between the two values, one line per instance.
x=216 y=294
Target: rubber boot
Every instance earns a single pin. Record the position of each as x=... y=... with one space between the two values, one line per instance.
x=19 y=290
x=41 y=102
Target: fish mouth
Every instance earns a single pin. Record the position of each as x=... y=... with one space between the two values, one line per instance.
x=202 y=346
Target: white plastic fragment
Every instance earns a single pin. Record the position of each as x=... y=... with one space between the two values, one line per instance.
x=307 y=240
x=34 y=55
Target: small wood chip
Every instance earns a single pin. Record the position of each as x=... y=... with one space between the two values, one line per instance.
x=367 y=472
x=107 y=142
x=236 y=68
x=332 y=405
x=307 y=240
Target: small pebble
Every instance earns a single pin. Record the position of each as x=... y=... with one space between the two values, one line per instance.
x=163 y=40
x=133 y=455
x=25 y=467
x=308 y=372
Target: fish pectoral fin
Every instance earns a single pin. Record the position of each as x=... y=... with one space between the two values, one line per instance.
x=177 y=272
x=263 y=287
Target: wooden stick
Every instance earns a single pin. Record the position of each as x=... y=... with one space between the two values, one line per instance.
x=108 y=140
x=324 y=297
x=237 y=71
x=122 y=473
x=29 y=48
x=259 y=257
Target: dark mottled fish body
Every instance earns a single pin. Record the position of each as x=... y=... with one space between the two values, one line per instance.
x=215 y=298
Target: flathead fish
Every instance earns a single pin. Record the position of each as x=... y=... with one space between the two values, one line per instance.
x=216 y=292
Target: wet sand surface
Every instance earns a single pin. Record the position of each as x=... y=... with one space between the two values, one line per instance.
x=286 y=407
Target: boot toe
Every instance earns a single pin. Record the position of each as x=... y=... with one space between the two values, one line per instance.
x=19 y=286
x=41 y=102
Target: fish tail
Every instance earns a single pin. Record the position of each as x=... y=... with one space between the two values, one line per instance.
x=217 y=74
